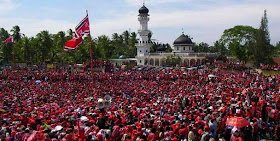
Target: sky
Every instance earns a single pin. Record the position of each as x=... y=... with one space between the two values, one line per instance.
x=203 y=20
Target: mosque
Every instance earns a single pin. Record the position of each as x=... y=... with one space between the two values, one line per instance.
x=182 y=47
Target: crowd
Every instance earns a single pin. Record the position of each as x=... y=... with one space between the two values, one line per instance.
x=232 y=65
x=269 y=67
x=157 y=104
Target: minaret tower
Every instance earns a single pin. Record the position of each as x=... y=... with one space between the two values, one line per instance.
x=143 y=46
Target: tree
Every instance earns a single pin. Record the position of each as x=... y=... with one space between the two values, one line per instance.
x=240 y=40
x=45 y=44
x=26 y=49
x=219 y=48
x=16 y=33
x=105 y=46
x=263 y=50
x=5 y=49
x=173 y=60
x=201 y=47
x=119 y=43
x=59 y=40
x=132 y=50
x=168 y=48
x=125 y=37
x=277 y=49
x=154 y=46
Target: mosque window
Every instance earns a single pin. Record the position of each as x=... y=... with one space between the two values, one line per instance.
x=184 y=48
x=177 y=48
x=140 y=51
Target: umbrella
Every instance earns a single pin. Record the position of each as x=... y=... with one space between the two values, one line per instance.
x=237 y=122
x=84 y=118
x=58 y=128
x=212 y=76
x=38 y=81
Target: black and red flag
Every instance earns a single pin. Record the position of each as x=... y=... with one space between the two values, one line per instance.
x=81 y=29
x=73 y=43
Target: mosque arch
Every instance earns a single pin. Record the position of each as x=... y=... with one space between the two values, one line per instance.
x=156 y=62
x=163 y=62
x=146 y=62
x=151 y=61
x=198 y=62
x=186 y=62
x=192 y=62
x=203 y=61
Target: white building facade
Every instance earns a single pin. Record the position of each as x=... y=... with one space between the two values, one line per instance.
x=182 y=47
x=144 y=45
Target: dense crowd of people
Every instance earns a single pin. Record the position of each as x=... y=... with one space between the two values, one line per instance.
x=159 y=104
x=232 y=65
x=270 y=67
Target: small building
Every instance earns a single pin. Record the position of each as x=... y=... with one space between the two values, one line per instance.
x=183 y=44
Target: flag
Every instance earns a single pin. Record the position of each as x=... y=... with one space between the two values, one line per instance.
x=9 y=40
x=83 y=27
x=80 y=30
x=73 y=43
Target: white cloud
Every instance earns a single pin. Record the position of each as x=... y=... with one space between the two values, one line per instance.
x=208 y=25
x=204 y=24
x=8 y=5
x=153 y=2
x=31 y=27
x=3 y=1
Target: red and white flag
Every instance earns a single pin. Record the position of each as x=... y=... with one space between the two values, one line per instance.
x=83 y=27
x=80 y=30
x=73 y=43
x=9 y=40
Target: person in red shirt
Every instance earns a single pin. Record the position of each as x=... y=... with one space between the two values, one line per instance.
x=255 y=129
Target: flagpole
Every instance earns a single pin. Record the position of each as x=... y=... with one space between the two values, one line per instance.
x=90 y=52
x=13 y=54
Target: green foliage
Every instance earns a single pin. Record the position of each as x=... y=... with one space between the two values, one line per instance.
x=219 y=48
x=202 y=47
x=155 y=45
x=6 y=50
x=264 y=50
x=244 y=42
x=240 y=40
x=173 y=61
x=277 y=49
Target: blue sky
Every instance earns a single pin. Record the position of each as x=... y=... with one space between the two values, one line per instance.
x=204 y=20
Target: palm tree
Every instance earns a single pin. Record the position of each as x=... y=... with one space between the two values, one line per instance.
x=26 y=49
x=105 y=46
x=45 y=44
x=16 y=33
x=6 y=51
x=126 y=37
x=59 y=40
x=131 y=51
x=16 y=36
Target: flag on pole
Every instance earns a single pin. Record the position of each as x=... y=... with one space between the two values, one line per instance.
x=83 y=27
x=9 y=40
x=80 y=30
x=73 y=43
